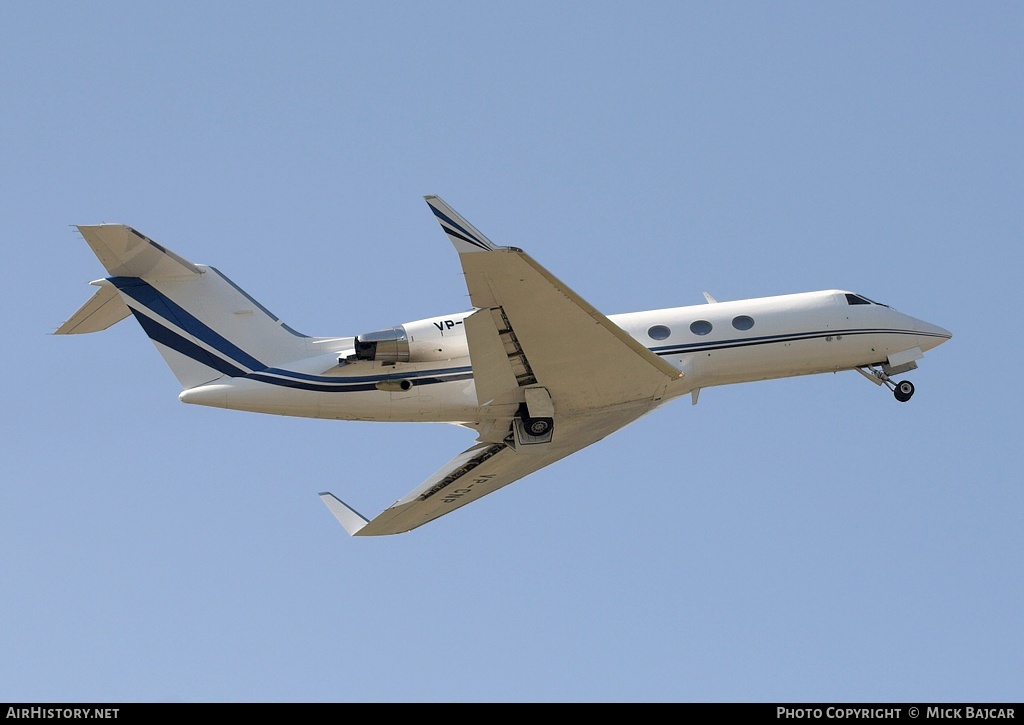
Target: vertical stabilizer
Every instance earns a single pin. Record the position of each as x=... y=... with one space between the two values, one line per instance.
x=203 y=324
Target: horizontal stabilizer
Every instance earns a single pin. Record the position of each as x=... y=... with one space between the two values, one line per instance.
x=125 y=252
x=203 y=324
x=105 y=308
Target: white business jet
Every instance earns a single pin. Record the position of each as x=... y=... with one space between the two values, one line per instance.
x=536 y=371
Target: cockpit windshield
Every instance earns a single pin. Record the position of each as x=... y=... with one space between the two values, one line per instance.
x=852 y=299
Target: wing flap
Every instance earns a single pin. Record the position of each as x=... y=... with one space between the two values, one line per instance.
x=493 y=373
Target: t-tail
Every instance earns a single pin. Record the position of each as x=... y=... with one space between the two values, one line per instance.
x=203 y=324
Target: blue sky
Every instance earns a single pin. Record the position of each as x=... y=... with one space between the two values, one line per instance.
x=805 y=539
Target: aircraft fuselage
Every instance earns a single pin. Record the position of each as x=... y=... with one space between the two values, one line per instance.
x=712 y=344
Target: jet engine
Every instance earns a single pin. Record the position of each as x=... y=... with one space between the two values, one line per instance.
x=433 y=340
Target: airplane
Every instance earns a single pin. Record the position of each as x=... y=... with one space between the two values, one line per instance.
x=533 y=369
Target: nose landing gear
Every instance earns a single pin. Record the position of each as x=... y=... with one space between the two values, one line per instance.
x=902 y=391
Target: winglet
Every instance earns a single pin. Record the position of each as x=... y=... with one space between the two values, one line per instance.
x=461 y=233
x=351 y=519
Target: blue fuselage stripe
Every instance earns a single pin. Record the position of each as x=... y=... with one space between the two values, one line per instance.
x=165 y=336
x=339 y=385
x=159 y=332
x=151 y=298
x=680 y=349
x=367 y=378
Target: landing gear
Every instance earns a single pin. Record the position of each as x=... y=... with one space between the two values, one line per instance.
x=529 y=430
x=538 y=426
x=902 y=390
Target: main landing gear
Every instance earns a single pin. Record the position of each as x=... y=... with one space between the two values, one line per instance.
x=902 y=391
x=529 y=430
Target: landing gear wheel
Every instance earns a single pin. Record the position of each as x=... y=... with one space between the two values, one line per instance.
x=538 y=426
x=903 y=391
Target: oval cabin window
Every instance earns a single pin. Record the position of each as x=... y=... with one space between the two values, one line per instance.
x=700 y=327
x=743 y=322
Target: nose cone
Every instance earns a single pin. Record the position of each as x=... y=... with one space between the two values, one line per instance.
x=930 y=335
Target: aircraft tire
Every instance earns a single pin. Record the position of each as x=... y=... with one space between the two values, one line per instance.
x=538 y=426
x=904 y=391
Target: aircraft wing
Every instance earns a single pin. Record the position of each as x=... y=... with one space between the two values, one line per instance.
x=532 y=341
x=480 y=470
x=532 y=330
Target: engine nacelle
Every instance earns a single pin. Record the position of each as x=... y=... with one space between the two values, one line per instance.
x=431 y=340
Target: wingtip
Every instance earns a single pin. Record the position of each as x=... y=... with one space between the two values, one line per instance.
x=463 y=235
x=347 y=516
